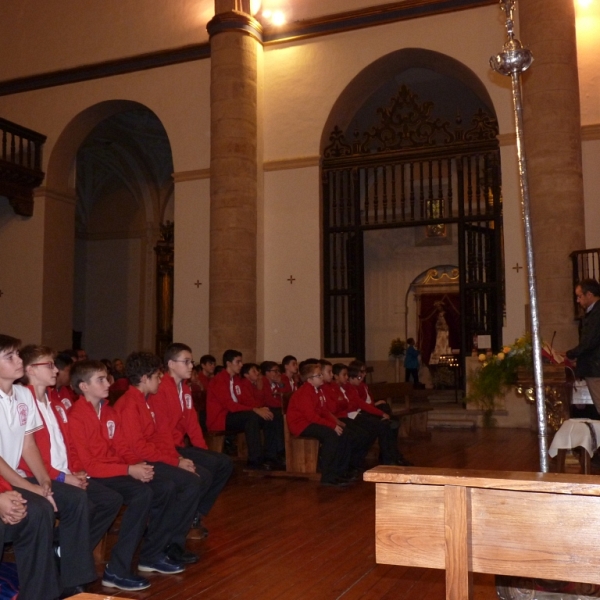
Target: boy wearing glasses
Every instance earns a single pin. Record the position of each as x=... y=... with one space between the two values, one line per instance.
x=176 y=417
x=308 y=416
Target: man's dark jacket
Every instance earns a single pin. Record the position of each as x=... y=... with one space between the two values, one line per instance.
x=587 y=352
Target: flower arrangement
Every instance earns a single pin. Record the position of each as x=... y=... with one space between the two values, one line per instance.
x=397 y=348
x=497 y=373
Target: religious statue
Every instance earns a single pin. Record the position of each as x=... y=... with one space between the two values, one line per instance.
x=442 y=343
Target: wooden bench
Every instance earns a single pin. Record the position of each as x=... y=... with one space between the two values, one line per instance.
x=215 y=440
x=301 y=453
x=541 y=525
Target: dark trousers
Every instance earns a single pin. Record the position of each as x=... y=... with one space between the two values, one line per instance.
x=146 y=504
x=214 y=467
x=278 y=443
x=414 y=373
x=361 y=440
x=335 y=451
x=388 y=441
x=104 y=508
x=76 y=559
x=189 y=488
x=251 y=424
x=32 y=543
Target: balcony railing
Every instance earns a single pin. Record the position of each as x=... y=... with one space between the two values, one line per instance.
x=20 y=165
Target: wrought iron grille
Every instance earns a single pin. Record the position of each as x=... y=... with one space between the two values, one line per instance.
x=412 y=170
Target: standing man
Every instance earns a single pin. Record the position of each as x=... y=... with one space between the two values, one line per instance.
x=587 y=352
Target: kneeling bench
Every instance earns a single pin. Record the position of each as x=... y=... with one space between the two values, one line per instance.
x=541 y=525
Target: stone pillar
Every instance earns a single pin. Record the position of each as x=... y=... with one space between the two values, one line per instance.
x=236 y=44
x=552 y=137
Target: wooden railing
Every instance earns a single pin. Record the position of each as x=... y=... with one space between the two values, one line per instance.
x=20 y=165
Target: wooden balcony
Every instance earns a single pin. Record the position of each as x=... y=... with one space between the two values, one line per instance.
x=20 y=165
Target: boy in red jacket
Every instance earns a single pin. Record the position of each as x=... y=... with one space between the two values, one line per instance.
x=141 y=440
x=54 y=443
x=308 y=416
x=94 y=426
x=290 y=375
x=226 y=412
x=176 y=417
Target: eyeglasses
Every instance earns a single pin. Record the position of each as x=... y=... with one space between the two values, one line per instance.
x=316 y=376
x=187 y=362
x=49 y=364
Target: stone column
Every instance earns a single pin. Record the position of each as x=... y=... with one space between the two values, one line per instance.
x=552 y=136
x=236 y=43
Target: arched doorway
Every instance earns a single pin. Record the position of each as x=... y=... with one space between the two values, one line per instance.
x=411 y=158
x=114 y=161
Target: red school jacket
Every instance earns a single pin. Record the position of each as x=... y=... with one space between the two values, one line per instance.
x=93 y=441
x=289 y=385
x=251 y=396
x=140 y=436
x=335 y=400
x=219 y=401
x=42 y=436
x=176 y=416
x=307 y=406
x=65 y=395
x=271 y=393
x=357 y=402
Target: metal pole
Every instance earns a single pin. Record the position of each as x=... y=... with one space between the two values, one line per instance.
x=512 y=61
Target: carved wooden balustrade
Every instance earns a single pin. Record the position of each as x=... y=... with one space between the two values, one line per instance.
x=20 y=165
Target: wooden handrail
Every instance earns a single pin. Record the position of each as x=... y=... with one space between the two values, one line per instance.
x=555 y=483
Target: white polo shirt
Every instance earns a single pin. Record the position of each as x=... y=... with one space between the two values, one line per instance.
x=18 y=416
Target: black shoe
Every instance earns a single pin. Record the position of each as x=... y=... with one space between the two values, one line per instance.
x=179 y=555
x=403 y=462
x=336 y=482
x=72 y=591
x=130 y=583
x=352 y=475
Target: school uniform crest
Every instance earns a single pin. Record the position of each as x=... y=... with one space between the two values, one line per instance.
x=110 y=427
x=238 y=390
x=22 y=411
x=188 y=401
x=66 y=403
x=61 y=411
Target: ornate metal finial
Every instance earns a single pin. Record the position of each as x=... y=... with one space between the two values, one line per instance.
x=514 y=58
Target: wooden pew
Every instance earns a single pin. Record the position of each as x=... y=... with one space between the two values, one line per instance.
x=301 y=453
x=541 y=525
x=215 y=440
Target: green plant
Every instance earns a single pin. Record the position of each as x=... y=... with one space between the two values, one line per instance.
x=397 y=347
x=496 y=374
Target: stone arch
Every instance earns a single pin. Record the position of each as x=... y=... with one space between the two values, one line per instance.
x=373 y=76
x=59 y=198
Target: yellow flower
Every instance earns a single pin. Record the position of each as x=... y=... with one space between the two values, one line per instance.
x=500 y=356
x=481 y=358
x=506 y=349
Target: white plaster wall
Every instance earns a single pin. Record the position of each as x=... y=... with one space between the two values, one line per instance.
x=21 y=269
x=192 y=247
x=392 y=262
x=57 y=34
x=591 y=192
x=304 y=79
x=111 y=296
x=292 y=247
x=178 y=95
